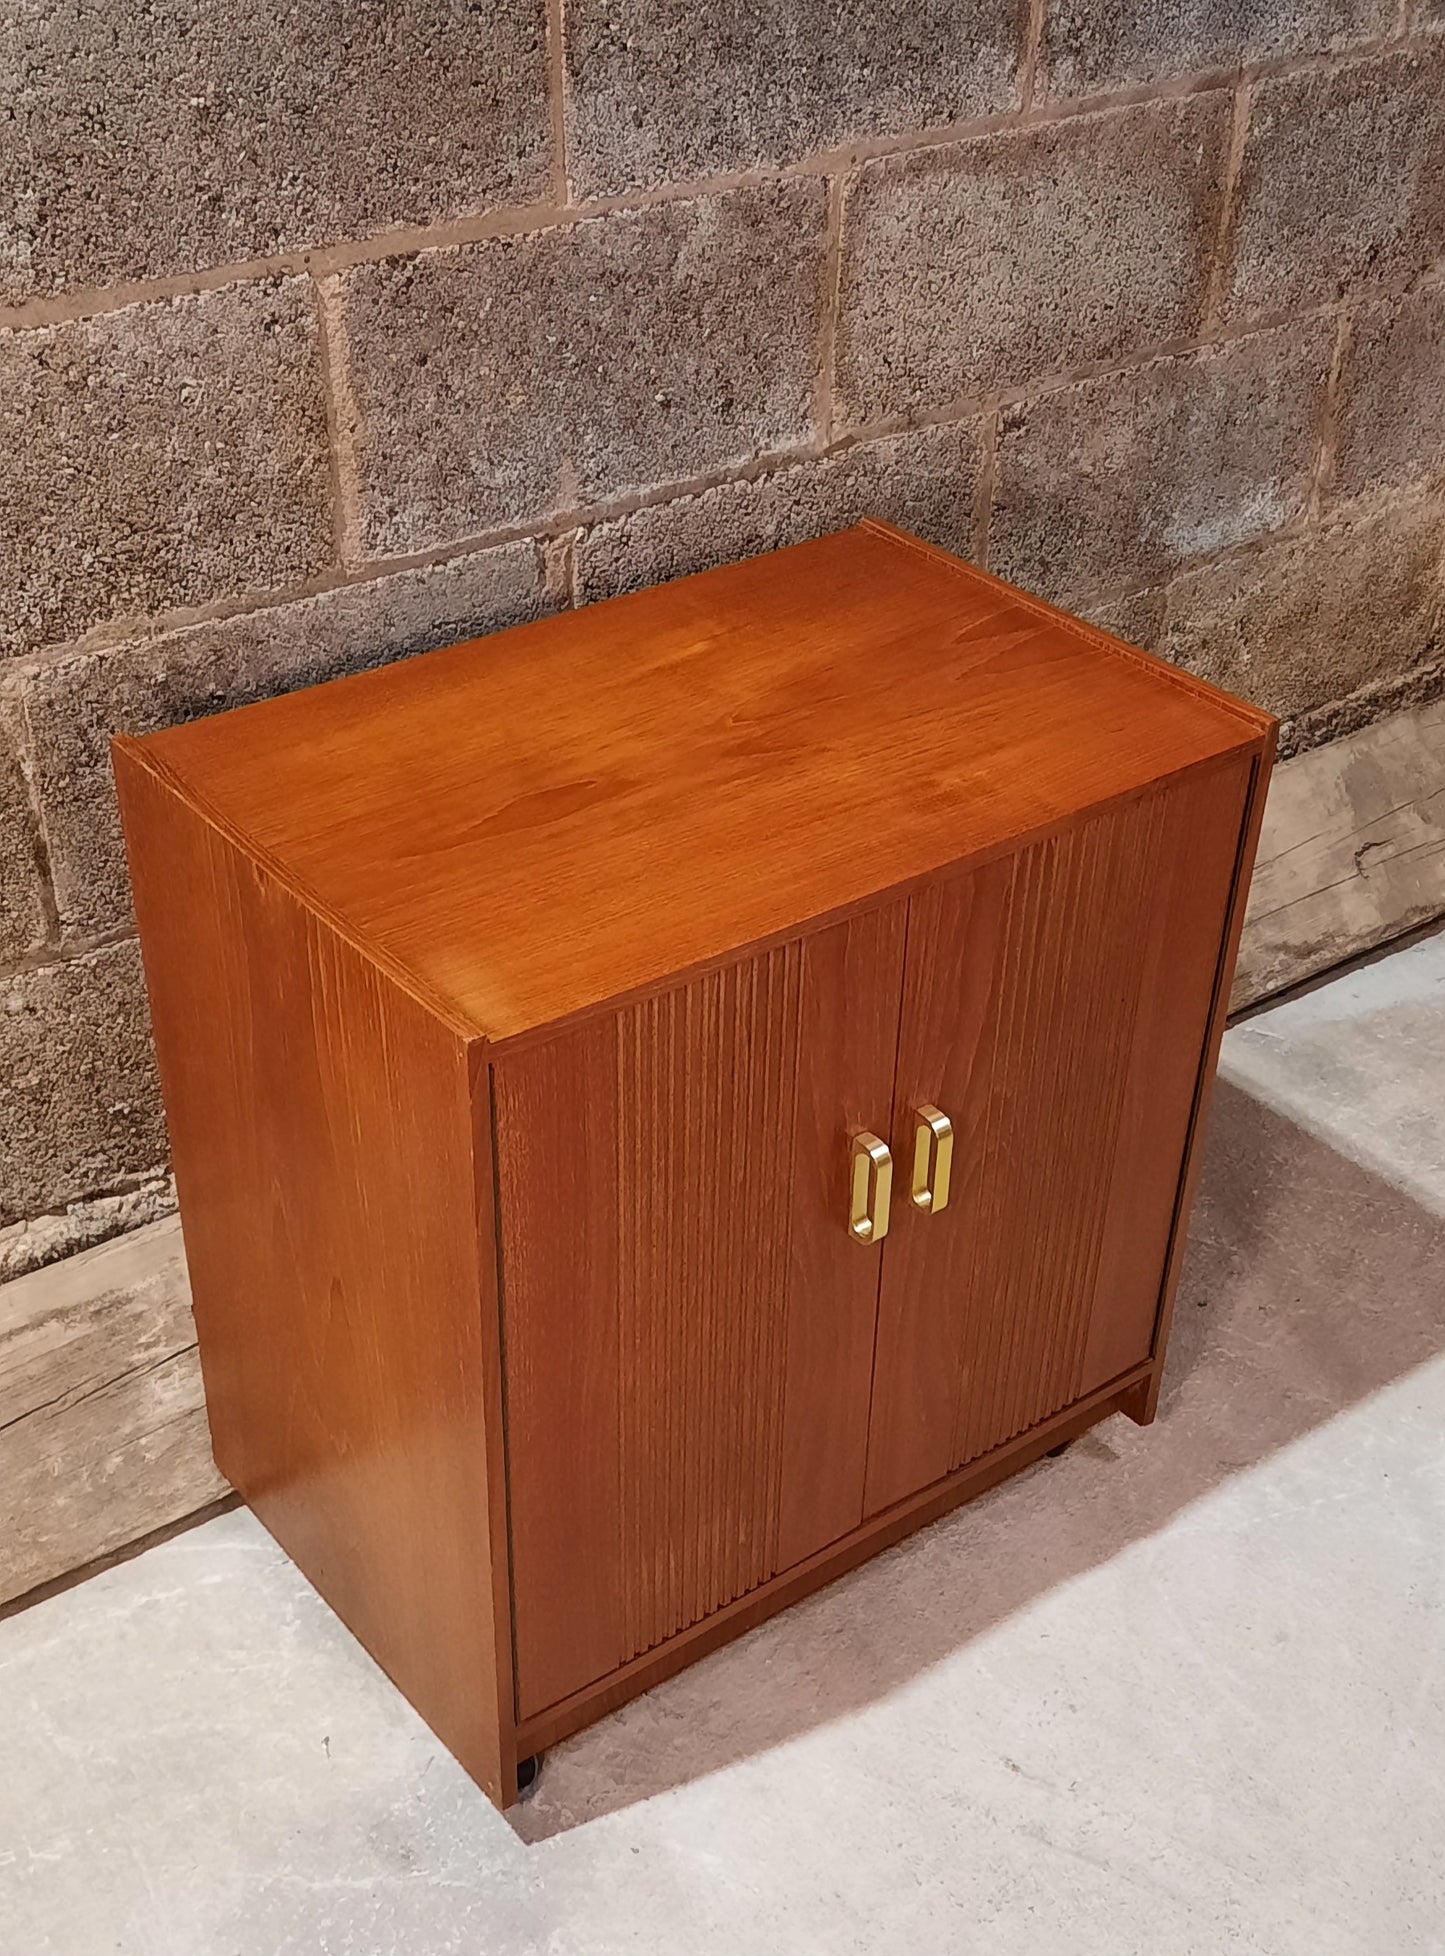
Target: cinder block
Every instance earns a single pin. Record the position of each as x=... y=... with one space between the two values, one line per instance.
x=66 y=1231
x=1093 y=45
x=1421 y=686
x=1118 y=480
x=1342 y=181
x=79 y=1106
x=160 y=456
x=990 y=262
x=142 y=141
x=512 y=379
x=75 y=704
x=1392 y=404
x=1313 y=619
x=923 y=481
x=660 y=93
x=1137 y=617
x=22 y=883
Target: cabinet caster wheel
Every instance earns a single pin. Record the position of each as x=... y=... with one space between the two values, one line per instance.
x=1054 y=1452
x=527 y=1771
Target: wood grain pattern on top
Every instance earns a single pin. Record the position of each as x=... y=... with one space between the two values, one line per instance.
x=524 y=826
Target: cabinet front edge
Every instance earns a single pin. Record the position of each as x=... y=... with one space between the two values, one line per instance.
x=1250 y=825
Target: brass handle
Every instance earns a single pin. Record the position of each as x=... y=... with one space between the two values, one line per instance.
x=872 y=1173
x=932 y=1149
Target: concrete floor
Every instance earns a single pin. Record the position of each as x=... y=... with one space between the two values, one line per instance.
x=1177 y=1691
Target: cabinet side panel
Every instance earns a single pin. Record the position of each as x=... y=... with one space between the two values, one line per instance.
x=321 y=1127
x=1141 y=1406
x=1203 y=817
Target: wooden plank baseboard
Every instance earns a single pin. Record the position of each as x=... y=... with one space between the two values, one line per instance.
x=103 y=1435
x=1352 y=853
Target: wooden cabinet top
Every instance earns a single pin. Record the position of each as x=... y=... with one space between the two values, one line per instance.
x=524 y=826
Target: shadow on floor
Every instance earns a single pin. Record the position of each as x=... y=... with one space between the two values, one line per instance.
x=1309 y=1284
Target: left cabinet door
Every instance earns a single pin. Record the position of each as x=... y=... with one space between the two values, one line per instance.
x=687 y=1324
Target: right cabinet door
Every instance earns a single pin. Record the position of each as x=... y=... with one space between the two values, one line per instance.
x=1055 y=1009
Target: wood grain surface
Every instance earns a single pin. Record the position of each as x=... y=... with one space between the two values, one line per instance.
x=526 y=826
x=1194 y=884
x=1143 y=1402
x=322 y=1134
x=688 y=1326
x=1056 y=1005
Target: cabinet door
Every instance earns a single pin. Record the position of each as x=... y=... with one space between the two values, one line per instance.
x=1056 y=1006
x=687 y=1325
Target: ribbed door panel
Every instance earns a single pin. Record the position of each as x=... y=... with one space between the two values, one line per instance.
x=707 y=1092
x=1067 y=977
x=1031 y=1017
x=687 y=1328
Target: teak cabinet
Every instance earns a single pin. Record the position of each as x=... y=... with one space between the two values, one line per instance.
x=667 y=1099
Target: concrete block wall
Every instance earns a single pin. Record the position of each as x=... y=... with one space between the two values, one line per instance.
x=329 y=334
